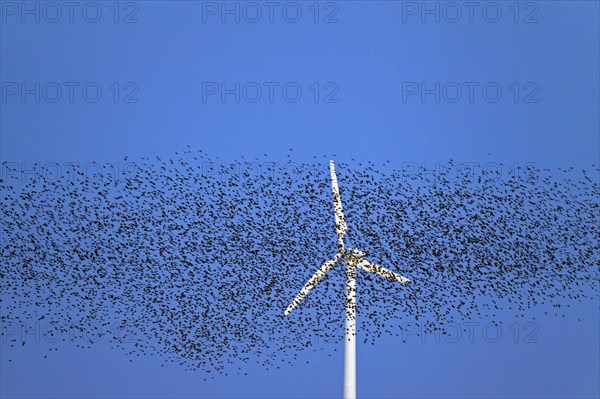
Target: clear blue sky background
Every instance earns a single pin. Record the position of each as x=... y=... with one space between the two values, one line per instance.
x=367 y=54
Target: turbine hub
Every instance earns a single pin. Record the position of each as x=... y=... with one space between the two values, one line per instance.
x=355 y=253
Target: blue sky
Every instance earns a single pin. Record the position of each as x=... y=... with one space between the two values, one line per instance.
x=355 y=68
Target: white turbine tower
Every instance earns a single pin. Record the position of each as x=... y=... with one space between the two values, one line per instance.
x=354 y=258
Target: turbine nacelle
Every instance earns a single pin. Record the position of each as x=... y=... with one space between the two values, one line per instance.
x=353 y=254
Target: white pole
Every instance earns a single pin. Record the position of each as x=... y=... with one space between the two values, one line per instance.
x=350 y=334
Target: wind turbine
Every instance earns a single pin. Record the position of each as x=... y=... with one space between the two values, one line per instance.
x=353 y=258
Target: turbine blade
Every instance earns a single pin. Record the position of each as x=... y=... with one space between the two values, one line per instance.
x=373 y=268
x=340 y=223
x=312 y=282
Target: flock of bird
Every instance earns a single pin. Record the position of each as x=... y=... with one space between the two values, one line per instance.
x=200 y=263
